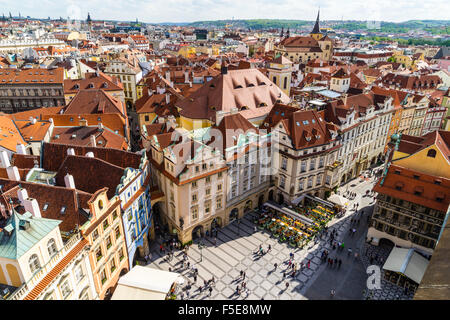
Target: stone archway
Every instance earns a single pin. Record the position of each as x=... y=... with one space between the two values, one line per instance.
x=271 y=195
x=248 y=206
x=197 y=232
x=280 y=198
x=260 y=200
x=234 y=214
x=216 y=223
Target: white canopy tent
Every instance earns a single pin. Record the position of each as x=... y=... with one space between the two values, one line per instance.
x=289 y=212
x=407 y=262
x=339 y=200
x=143 y=283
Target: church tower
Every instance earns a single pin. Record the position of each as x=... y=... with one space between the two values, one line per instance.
x=315 y=33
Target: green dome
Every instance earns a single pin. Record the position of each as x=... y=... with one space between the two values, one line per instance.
x=395 y=137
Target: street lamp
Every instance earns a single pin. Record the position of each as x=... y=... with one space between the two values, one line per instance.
x=200 y=247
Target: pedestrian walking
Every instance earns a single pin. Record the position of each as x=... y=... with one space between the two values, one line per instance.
x=309 y=263
x=170 y=269
x=275 y=265
x=349 y=251
x=195 y=278
x=243 y=276
x=269 y=248
x=287 y=285
x=238 y=290
x=210 y=291
x=332 y=293
x=340 y=262
x=331 y=263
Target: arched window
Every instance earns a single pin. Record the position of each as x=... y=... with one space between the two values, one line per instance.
x=51 y=247
x=33 y=263
x=285 y=83
x=100 y=204
x=431 y=153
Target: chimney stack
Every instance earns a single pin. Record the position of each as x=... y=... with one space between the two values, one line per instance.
x=22 y=194
x=186 y=77
x=167 y=98
x=93 y=142
x=13 y=173
x=31 y=205
x=20 y=148
x=69 y=181
x=4 y=160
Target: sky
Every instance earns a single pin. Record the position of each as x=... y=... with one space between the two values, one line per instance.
x=157 y=11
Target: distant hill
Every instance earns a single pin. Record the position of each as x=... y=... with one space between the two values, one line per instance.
x=433 y=26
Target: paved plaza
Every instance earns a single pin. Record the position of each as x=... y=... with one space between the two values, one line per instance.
x=236 y=248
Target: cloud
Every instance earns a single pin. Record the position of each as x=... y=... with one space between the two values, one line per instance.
x=195 y=10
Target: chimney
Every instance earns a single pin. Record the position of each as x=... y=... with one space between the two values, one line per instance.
x=69 y=182
x=167 y=98
x=219 y=116
x=168 y=76
x=22 y=194
x=4 y=160
x=190 y=84
x=70 y=152
x=345 y=99
x=186 y=77
x=83 y=123
x=31 y=205
x=90 y=154
x=93 y=142
x=13 y=173
x=321 y=63
x=20 y=148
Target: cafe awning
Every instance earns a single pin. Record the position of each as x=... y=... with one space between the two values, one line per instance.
x=143 y=283
x=338 y=200
x=407 y=262
x=289 y=212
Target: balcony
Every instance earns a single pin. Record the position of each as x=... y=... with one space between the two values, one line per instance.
x=335 y=165
x=22 y=291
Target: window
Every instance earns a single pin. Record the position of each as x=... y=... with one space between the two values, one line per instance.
x=282 y=182
x=115 y=215
x=300 y=184
x=219 y=187
x=105 y=224
x=194 y=212
x=113 y=265
x=147 y=118
x=84 y=295
x=129 y=216
x=95 y=235
x=219 y=203
x=431 y=153
x=33 y=263
x=194 y=184
x=208 y=192
x=219 y=175
x=99 y=253
x=207 y=207
x=204 y=166
x=65 y=289
x=100 y=204
x=208 y=179
x=103 y=276
x=121 y=254
x=194 y=197
x=79 y=274
x=51 y=247
x=108 y=242
x=283 y=163
x=303 y=168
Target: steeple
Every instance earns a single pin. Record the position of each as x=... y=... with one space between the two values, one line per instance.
x=288 y=33
x=282 y=32
x=316 y=28
x=88 y=20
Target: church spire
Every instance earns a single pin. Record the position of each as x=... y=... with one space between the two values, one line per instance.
x=282 y=32
x=316 y=28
